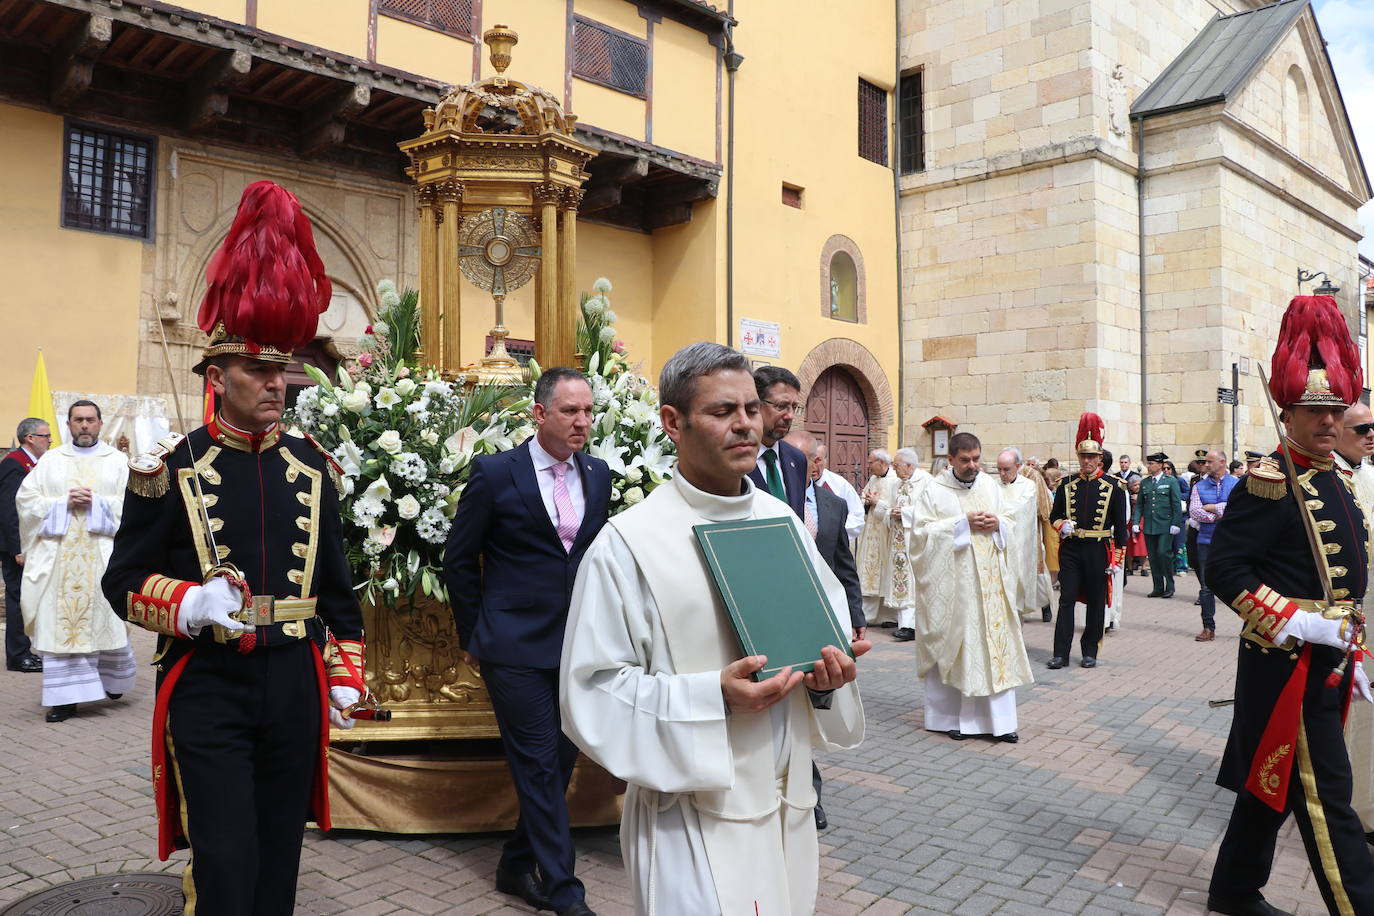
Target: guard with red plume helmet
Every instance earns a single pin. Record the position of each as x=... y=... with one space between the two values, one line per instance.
x=1089 y=512
x=1302 y=636
x=266 y=286
x=231 y=551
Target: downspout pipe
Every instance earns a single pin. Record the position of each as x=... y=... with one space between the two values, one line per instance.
x=732 y=59
x=897 y=218
x=1140 y=244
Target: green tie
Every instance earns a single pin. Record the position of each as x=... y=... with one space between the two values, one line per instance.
x=775 y=486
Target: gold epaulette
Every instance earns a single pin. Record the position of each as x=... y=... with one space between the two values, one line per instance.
x=1267 y=480
x=148 y=472
x=336 y=471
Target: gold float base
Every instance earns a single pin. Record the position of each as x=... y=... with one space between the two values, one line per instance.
x=424 y=794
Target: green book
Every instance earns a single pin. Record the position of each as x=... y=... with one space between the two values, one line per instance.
x=771 y=591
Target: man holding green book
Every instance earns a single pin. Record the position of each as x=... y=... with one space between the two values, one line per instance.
x=717 y=815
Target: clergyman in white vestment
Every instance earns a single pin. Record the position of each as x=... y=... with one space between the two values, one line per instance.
x=969 y=646
x=1025 y=550
x=873 y=553
x=69 y=508
x=718 y=810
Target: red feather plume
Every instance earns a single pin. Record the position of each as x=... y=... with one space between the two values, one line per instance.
x=267 y=282
x=1314 y=335
x=1090 y=426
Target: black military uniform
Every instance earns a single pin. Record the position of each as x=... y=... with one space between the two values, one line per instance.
x=245 y=730
x=1098 y=506
x=1286 y=750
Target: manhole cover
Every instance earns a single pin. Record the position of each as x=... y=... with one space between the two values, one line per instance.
x=133 y=894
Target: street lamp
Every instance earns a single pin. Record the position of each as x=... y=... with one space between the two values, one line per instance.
x=1327 y=288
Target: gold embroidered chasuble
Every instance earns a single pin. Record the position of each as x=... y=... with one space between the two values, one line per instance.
x=967 y=626
x=64 y=610
x=873 y=555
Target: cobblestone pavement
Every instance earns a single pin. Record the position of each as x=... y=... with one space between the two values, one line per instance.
x=1107 y=806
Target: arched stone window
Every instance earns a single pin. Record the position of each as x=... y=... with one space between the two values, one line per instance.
x=843 y=289
x=1295 y=125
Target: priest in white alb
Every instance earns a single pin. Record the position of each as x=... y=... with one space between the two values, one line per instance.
x=69 y=508
x=969 y=646
x=718 y=810
x=1025 y=550
x=873 y=553
x=900 y=593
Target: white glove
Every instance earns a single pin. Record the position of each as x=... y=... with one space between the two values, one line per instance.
x=211 y=603
x=340 y=698
x=1173 y=529
x=1362 y=685
x=1309 y=626
x=1066 y=528
x=1135 y=529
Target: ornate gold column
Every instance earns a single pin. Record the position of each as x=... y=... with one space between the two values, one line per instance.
x=450 y=194
x=548 y=348
x=566 y=308
x=430 y=305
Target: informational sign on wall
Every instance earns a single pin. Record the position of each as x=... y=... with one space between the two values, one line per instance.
x=759 y=337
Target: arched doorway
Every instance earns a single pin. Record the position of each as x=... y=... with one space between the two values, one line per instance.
x=837 y=414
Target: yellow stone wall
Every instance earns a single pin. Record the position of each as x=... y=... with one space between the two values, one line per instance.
x=670 y=285
x=75 y=294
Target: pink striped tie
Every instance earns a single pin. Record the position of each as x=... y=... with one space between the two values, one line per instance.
x=568 y=522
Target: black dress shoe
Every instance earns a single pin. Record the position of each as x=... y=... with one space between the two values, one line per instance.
x=888 y=624
x=113 y=696
x=956 y=734
x=821 y=821
x=577 y=909
x=1154 y=594
x=1169 y=593
x=60 y=713
x=1056 y=663
x=1260 y=907
x=523 y=885
x=29 y=664
x=904 y=634
x=1009 y=737
x=1087 y=662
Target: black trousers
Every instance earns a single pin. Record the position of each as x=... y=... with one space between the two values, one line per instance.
x=17 y=644
x=541 y=760
x=244 y=733
x=1082 y=568
x=1319 y=797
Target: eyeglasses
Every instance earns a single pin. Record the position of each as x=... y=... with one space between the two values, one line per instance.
x=49 y=435
x=793 y=407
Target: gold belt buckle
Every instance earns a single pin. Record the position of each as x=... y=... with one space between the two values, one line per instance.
x=293 y=628
x=263 y=610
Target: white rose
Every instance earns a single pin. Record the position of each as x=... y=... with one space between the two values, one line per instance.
x=408 y=506
x=448 y=465
x=386 y=399
x=389 y=442
x=329 y=408
x=634 y=475
x=633 y=495
x=356 y=400
x=430 y=437
x=405 y=386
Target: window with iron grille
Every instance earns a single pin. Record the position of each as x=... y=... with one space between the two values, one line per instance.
x=522 y=351
x=107 y=183
x=872 y=122
x=911 y=136
x=445 y=15
x=603 y=55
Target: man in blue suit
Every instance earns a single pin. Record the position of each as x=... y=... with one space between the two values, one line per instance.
x=523 y=523
x=781 y=468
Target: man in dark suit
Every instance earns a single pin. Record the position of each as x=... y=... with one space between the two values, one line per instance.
x=781 y=468
x=34 y=438
x=824 y=515
x=523 y=523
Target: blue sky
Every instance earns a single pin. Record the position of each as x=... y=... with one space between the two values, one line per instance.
x=1348 y=27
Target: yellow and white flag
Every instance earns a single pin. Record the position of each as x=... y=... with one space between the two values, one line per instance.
x=40 y=400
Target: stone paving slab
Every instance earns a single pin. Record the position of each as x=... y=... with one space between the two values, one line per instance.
x=1107 y=805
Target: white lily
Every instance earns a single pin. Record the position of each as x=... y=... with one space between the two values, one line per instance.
x=610 y=453
x=379 y=489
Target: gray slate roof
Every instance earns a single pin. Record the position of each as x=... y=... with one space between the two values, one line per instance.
x=1220 y=59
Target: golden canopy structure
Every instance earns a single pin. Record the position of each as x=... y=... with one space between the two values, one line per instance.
x=502 y=148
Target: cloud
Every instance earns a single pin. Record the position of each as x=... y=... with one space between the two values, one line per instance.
x=1349 y=34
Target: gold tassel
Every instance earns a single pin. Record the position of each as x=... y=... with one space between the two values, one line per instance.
x=1267 y=480
x=152 y=485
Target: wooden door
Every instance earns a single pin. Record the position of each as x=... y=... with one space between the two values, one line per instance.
x=837 y=414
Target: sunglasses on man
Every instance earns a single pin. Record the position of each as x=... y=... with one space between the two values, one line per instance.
x=1362 y=429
